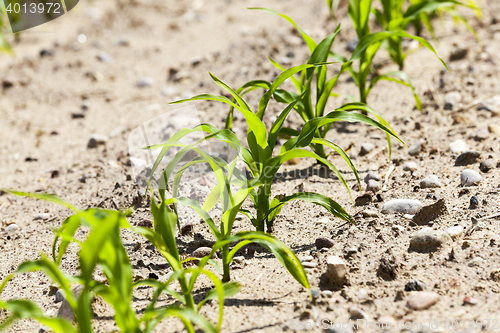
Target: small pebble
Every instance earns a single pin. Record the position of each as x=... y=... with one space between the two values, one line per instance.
x=458 y=146
x=104 y=57
x=309 y=264
x=458 y=53
x=202 y=252
x=468 y=157
x=429 y=239
x=336 y=270
x=403 y=206
x=455 y=231
x=422 y=300
x=366 y=148
x=323 y=242
x=315 y=293
x=482 y=133
x=476 y=262
x=431 y=181
x=410 y=166
x=239 y=260
x=96 y=140
x=327 y=293
x=474 y=202
x=352 y=44
x=11 y=228
x=469 y=177
x=369 y=213
x=41 y=216
x=470 y=300
x=451 y=100
x=372 y=175
x=416 y=148
x=60 y=296
x=415 y=285
x=306 y=258
x=363 y=199
x=487 y=165
x=373 y=186
x=144 y=82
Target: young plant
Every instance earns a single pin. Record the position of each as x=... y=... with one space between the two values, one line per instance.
x=394 y=17
x=306 y=108
x=262 y=164
x=103 y=249
x=4 y=44
x=370 y=43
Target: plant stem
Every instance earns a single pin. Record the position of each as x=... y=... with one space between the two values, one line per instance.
x=188 y=296
x=225 y=263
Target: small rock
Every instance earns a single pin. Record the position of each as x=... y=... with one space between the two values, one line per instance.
x=309 y=264
x=46 y=53
x=458 y=146
x=153 y=276
x=415 y=285
x=144 y=82
x=451 y=100
x=315 y=293
x=336 y=270
x=8 y=82
x=474 y=202
x=372 y=175
x=469 y=177
x=187 y=228
x=468 y=157
x=358 y=314
x=203 y=252
x=410 y=166
x=492 y=104
x=60 y=296
x=403 y=206
x=306 y=259
x=494 y=128
x=422 y=300
x=470 y=300
x=487 y=165
x=322 y=242
x=11 y=228
x=96 y=140
x=476 y=262
x=482 y=133
x=373 y=186
x=363 y=199
x=366 y=148
x=41 y=216
x=386 y=270
x=369 y=213
x=427 y=239
x=416 y=148
x=327 y=293
x=104 y=57
x=458 y=53
x=239 y=260
x=455 y=231
x=431 y=181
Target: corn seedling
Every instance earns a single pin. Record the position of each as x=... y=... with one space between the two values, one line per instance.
x=368 y=46
x=305 y=107
x=4 y=44
x=104 y=249
x=262 y=165
x=394 y=17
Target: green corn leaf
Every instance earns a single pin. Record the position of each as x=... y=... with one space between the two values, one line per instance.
x=188 y=317
x=23 y=309
x=43 y=196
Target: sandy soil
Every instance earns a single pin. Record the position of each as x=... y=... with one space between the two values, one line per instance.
x=44 y=149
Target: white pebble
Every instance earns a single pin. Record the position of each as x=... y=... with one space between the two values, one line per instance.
x=469 y=177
